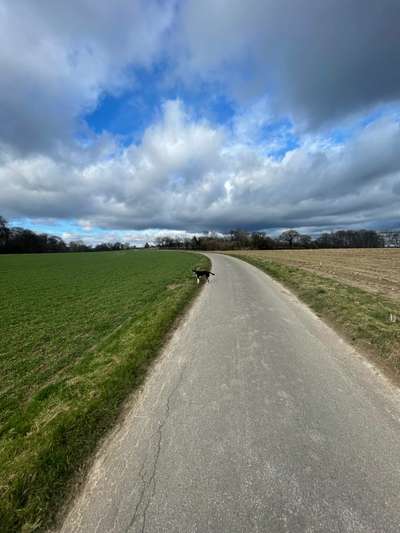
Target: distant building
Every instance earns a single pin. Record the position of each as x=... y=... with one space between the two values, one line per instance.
x=391 y=238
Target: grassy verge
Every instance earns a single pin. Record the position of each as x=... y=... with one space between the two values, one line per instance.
x=66 y=378
x=360 y=316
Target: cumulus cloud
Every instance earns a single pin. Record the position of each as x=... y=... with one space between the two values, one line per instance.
x=56 y=59
x=318 y=60
x=190 y=174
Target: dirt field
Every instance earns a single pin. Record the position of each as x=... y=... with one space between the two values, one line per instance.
x=376 y=270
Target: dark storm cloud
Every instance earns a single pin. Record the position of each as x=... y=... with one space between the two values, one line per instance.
x=319 y=60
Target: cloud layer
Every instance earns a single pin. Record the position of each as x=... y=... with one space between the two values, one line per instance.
x=319 y=60
x=191 y=174
x=297 y=73
x=56 y=59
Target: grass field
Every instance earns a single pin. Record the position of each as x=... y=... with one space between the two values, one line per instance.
x=356 y=291
x=77 y=332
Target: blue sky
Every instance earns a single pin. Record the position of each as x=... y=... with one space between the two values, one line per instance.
x=121 y=121
x=129 y=113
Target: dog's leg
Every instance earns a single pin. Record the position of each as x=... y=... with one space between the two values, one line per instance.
x=198 y=281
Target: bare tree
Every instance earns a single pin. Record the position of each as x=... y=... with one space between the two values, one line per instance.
x=289 y=237
x=4 y=231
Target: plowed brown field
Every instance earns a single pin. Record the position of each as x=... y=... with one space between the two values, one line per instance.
x=375 y=270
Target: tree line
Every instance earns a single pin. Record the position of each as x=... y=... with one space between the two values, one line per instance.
x=21 y=240
x=16 y=240
x=290 y=239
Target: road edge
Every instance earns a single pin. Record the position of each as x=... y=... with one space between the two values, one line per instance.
x=385 y=366
x=79 y=478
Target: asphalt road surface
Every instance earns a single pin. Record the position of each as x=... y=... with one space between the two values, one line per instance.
x=257 y=417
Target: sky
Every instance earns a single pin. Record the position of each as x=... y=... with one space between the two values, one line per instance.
x=131 y=119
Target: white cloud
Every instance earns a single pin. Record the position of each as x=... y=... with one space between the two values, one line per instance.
x=190 y=174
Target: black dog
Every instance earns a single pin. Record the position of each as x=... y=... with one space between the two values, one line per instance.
x=205 y=274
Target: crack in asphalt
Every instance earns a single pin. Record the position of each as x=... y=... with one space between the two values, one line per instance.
x=141 y=495
x=152 y=479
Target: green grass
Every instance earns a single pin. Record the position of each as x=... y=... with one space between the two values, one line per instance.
x=77 y=333
x=362 y=317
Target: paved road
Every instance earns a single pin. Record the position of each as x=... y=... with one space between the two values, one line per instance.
x=256 y=418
